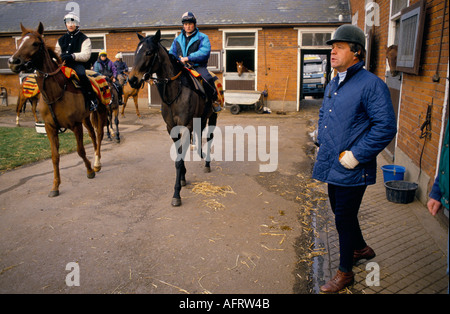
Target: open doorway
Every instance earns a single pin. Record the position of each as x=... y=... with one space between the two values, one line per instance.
x=315 y=72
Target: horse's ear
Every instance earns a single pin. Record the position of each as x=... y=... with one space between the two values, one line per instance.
x=40 y=28
x=24 y=30
x=139 y=36
x=157 y=37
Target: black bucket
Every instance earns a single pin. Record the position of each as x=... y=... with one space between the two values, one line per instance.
x=402 y=192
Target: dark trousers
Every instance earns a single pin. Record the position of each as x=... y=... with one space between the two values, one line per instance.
x=210 y=86
x=345 y=202
x=86 y=86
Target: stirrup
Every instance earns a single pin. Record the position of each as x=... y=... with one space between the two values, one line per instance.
x=93 y=105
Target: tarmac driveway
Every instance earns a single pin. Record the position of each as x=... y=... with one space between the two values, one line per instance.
x=118 y=232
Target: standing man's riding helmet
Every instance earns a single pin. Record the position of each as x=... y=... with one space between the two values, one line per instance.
x=349 y=33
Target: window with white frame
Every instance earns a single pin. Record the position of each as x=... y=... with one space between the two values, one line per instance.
x=310 y=39
x=98 y=44
x=240 y=47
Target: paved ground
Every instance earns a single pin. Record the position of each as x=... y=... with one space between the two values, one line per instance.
x=273 y=235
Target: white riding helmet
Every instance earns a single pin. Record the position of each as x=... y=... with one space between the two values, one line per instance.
x=119 y=55
x=72 y=18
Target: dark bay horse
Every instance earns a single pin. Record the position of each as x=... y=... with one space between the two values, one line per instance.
x=63 y=105
x=180 y=103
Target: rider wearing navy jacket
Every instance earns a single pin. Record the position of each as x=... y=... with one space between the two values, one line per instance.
x=192 y=46
x=74 y=48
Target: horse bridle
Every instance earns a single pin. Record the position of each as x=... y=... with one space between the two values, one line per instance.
x=30 y=66
x=160 y=81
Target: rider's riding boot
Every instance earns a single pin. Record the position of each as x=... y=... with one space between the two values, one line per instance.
x=90 y=97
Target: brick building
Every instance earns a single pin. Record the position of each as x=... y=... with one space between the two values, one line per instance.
x=419 y=86
x=271 y=37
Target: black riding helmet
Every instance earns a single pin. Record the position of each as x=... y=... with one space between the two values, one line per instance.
x=188 y=17
x=349 y=33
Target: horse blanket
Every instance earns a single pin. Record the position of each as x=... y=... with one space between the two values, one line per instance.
x=29 y=86
x=98 y=82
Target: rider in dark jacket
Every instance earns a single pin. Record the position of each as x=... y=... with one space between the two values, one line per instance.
x=74 y=47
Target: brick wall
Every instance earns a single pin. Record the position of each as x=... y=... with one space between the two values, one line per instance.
x=418 y=91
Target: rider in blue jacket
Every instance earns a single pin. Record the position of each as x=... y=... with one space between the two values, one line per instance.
x=193 y=47
x=356 y=122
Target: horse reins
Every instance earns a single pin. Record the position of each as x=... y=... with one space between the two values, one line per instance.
x=162 y=81
x=44 y=75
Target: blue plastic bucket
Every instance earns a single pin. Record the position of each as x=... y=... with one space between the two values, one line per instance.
x=393 y=172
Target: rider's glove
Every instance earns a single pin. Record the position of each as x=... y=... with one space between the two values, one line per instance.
x=67 y=57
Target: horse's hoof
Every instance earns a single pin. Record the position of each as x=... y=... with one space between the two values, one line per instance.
x=183 y=182
x=91 y=175
x=176 y=202
x=97 y=169
x=53 y=193
x=117 y=140
x=207 y=169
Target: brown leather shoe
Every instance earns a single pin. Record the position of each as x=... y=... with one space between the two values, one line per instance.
x=365 y=253
x=340 y=281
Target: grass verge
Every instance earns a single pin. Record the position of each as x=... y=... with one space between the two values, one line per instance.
x=20 y=146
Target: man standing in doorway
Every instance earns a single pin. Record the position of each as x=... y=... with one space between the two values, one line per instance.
x=356 y=122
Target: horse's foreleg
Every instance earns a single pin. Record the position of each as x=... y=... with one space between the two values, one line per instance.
x=101 y=121
x=135 y=99
x=125 y=99
x=52 y=135
x=20 y=102
x=33 y=108
x=180 y=180
x=78 y=131
x=116 y=120
x=109 y=125
x=180 y=173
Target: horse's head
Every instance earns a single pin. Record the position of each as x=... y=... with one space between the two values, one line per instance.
x=391 y=55
x=145 y=59
x=240 y=67
x=31 y=42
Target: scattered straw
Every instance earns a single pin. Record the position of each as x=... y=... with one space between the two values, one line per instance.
x=208 y=189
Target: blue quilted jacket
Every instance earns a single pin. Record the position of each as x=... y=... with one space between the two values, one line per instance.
x=358 y=116
x=197 y=49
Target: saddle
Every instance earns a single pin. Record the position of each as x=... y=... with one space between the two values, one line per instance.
x=29 y=86
x=98 y=82
x=197 y=85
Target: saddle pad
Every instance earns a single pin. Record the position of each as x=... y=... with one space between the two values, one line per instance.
x=29 y=86
x=100 y=85
x=219 y=89
x=98 y=82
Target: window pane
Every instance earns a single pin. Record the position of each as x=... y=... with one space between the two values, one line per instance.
x=398 y=5
x=97 y=43
x=315 y=39
x=241 y=40
x=408 y=39
x=167 y=40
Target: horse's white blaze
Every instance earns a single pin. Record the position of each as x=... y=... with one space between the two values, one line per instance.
x=23 y=41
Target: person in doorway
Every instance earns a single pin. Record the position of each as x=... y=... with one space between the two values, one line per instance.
x=356 y=122
x=440 y=190
x=74 y=48
x=192 y=47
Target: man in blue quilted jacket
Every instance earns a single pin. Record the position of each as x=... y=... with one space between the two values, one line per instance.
x=356 y=122
x=193 y=47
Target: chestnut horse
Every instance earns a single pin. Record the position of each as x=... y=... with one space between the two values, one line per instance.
x=241 y=68
x=180 y=103
x=63 y=105
x=28 y=91
x=128 y=92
